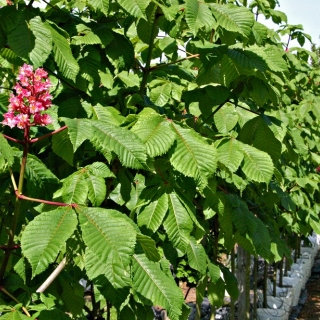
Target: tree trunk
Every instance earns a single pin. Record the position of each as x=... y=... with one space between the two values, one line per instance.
x=244 y=286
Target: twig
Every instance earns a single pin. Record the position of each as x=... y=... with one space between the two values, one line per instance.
x=13 y=139
x=6 y=248
x=53 y=203
x=223 y=190
x=212 y=113
x=53 y=275
x=255 y=112
x=47 y=135
x=197 y=55
x=14 y=299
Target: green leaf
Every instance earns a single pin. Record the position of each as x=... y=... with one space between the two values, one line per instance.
x=100 y=5
x=213 y=272
x=197 y=256
x=216 y=292
x=298 y=141
x=6 y=151
x=62 y=146
x=152 y=284
x=108 y=114
x=21 y=40
x=75 y=189
x=41 y=182
x=11 y=17
x=148 y=246
x=243 y=219
x=129 y=79
x=78 y=130
x=231 y=283
x=192 y=155
x=208 y=97
x=120 y=52
x=247 y=59
x=154 y=212
x=161 y=94
x=155 y=131
x=261 y=241
x=100 y=169
x=53 y=314
x=46 y=235
x=233 y=18
x=72 y=295
x=229 y=70
x=101 y=230
x=198 y=15
x=258 y=165
x=273 y=57
x=314 y=222
x=257 y=132
x=97 y=189
x=260 y=32
x=15 y=314
x=9 y=57
x=129 y=148
x=43 y=42
x=62 y=53
x=229 y=153
x=178 y=223
x=135 y=7
x=226 y=118
x=112 y=269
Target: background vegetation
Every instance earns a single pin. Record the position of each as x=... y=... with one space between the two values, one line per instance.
x=180 y=129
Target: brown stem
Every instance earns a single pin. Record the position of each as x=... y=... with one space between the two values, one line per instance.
x=53 y=203
x=6 y=248
x=255 y=112
x=174 y=62
x=13 y=139
x=47 y=135
x=213 y=113
x=223 y=190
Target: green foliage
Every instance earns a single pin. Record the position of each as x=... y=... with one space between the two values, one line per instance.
x=180 y=129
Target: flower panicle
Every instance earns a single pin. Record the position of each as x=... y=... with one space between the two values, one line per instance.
x=31 y=98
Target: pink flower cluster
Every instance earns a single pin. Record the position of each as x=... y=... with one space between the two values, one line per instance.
x=31 y=98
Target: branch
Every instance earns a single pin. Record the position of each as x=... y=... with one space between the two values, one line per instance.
x=197 y=55
x=6 y=248
x=47 y=135
x=13 y=139
x=223 y=190
x=255 y=112
x=53 y=275
x=213 y=113
x=52 y=203
x=15 y=300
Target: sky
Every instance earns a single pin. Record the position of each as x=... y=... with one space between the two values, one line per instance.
x=307 y=13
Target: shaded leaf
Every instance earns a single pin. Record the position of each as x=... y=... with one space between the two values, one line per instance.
x=154 y=285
